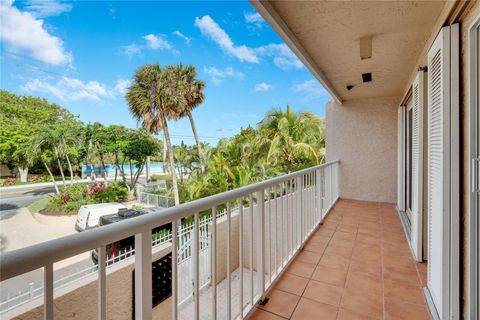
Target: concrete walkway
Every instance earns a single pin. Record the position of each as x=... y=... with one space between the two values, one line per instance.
x=25 y=229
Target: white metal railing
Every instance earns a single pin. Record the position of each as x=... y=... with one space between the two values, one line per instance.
x=185 y=232
x=153 y=199
x=279 y=215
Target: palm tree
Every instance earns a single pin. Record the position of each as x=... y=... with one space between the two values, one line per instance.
x=44 y=144
x=154 y=97
x=51 y=139
x=291 y=136
x=66 y=137
x=194 y=96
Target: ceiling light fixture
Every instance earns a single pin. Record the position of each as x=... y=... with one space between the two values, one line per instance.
x=366 y=47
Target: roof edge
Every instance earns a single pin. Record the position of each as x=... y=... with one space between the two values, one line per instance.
x=265 y=9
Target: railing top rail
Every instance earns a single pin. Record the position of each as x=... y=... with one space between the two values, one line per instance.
x=26 y=259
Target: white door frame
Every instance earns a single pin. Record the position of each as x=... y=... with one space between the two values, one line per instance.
x=408 y=155
x=401 y=203
x=448 y=299
x=418 y=104
x=473 y=279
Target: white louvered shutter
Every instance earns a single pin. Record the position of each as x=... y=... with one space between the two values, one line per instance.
x=417 y=166
x=401 y=159
x=439 y=171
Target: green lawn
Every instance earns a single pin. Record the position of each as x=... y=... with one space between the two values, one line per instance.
x=38 y=205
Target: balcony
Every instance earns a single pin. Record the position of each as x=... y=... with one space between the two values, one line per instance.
x=293 y=249
x=356 y=265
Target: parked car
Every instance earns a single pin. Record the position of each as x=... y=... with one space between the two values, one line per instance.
x=123 y=248
x=89 y=215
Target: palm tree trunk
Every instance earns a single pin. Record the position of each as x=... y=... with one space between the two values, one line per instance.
x=23 y=172
x=164 y=152
x=197 y=141
x=172 y=163
x=104 y=174
x=60 y=168
x=51 y=177
x=69 y=168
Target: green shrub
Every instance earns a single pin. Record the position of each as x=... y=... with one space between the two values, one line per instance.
x=114 y=192
x=75 y=192
x=74 y=196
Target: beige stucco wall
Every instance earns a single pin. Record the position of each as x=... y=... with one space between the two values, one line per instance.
x=80 y=301
x=362 y=134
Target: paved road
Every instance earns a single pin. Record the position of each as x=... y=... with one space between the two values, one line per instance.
x=11 y=201
x=12 y=205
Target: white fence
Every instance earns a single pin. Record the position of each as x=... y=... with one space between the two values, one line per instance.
x=156 y=200
x=275 y=234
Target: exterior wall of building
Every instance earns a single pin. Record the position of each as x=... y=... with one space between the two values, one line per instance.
x=362 y=134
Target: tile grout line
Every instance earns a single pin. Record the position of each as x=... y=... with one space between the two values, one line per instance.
x=348 y=271
x=316 y=265
x=381 y=265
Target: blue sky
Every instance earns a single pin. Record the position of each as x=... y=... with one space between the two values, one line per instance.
x=83 y=54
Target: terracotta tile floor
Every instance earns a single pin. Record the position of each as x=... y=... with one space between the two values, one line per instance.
x=357 y=265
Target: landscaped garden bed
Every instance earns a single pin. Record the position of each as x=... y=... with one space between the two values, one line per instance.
x=72 y=197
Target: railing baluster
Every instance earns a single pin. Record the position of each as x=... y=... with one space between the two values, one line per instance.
x=261 y=245
x=276 y=229
x=312 y=203
x=250 y=200
x=102 y=285
x=302 y=209
x=282 y=227
x=292 y=214
x=240 y=249
x=174 y=271
x=143 y=275
x=307 y=205
x=229 y=269
x=287 y=222
x=214 y=263
x=196 y=273
x=318 y=195
x=269 y=236
x=48 y=292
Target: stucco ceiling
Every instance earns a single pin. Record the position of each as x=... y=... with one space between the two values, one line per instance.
x=330 y=33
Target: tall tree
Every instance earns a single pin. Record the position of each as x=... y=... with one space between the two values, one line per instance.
x=194 y=96
x=154 y=97
x=51 y=139
x=21 y=117
x=291 y=136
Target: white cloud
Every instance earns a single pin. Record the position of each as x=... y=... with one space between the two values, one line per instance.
x=283 y=57
x=71 y=89
x=21 y=31
x=47 y=8
x=154 y=42
x=122 y=85
x=312 y=90
x=212 y=30
x=187 y=40
x=131 y=50
x=218 y=75
x=157 y=42
x=254 y=18
x=262 y=86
